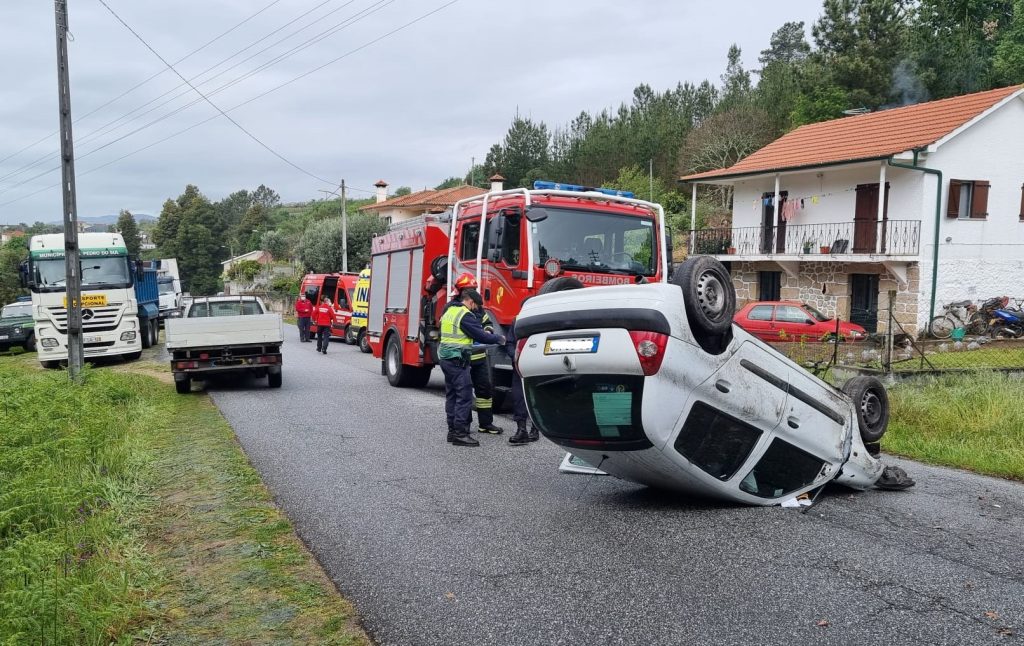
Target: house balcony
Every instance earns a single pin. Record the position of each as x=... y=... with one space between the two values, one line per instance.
x=851 y=241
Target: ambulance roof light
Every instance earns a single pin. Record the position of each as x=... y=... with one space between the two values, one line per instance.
x=541 y=185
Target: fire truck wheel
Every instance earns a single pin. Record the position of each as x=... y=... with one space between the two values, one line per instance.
x=559 y=284
x=439 y=268
x=708 y=295
x=363 y=342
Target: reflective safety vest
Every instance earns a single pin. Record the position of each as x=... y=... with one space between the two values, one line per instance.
x=480 y=352
x=453 y=339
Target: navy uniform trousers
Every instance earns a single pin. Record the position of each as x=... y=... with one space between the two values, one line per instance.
x=458 y=395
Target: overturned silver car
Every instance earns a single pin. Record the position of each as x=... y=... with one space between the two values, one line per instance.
x=654 y=384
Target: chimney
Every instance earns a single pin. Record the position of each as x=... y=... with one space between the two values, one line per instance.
x=382 y=190
x=497 y=183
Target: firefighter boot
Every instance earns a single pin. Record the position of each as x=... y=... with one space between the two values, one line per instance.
x=534 y=435
x=521 y=436
x=451 y=434
x=464 y=439
x=486 y=417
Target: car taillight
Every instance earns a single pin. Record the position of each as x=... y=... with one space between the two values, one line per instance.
x=650 y=350
x=187 y=365
x=520 y=344
x=267 y=359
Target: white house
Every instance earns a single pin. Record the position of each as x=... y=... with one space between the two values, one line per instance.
x=953 y=172
x=407 y=207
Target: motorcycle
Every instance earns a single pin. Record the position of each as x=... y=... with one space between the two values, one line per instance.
x=1006 y=324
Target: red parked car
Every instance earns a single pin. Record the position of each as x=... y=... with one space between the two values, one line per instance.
x=793 y=321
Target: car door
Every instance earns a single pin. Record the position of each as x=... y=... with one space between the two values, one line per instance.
x=795 y=322
x=758 y=321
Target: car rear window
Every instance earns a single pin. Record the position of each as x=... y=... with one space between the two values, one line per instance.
x=597 y=409
x=784 y=468
x=760 y=313
x=225 y=308
x=715 y=442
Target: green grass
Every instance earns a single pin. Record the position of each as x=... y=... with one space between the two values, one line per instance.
x=988 y=357
x=128 y=512
x=973 y=422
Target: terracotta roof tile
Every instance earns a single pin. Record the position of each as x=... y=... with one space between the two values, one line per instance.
x=428 y=199
x=866 y=136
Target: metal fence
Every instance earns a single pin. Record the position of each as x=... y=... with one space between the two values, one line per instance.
x=895 y=352
x=888 y=237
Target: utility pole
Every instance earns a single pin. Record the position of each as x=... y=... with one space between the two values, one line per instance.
x=344 y=230
x=72 y=267
x=651 y=176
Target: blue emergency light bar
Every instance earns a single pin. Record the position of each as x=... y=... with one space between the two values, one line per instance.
x=541 y=185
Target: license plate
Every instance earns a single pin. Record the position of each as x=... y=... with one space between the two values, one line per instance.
x=572 y=345
x=93 y=339
x=90 y=300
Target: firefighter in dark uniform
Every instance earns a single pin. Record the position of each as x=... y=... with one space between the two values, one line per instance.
x=479 y=371
x=459 y=328
x=525 y=431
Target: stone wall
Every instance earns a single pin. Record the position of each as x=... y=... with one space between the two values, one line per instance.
x=826 y=286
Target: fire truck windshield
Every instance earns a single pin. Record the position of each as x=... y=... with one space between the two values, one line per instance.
x=597 y=242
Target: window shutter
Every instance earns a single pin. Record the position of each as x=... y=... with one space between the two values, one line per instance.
x=979 y=200
x=953 y=203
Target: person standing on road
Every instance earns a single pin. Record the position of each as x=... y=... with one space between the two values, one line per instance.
x=479 y=370
x=459 y=328
x=323 y=317
x=303 y=310
x=517 y=397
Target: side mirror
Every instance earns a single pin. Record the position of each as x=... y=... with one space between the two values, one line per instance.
x=23 y=274
x=536 y=214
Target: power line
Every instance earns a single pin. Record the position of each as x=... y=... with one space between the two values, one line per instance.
x=106 y=128
x=244 y=103
x=207 y=99
x=138 y=85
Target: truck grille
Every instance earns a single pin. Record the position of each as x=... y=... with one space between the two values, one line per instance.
x=102 y=319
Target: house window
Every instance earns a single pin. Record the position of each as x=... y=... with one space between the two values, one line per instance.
x=968 y=199
x=769 y=285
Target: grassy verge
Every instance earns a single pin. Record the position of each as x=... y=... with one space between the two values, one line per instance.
x=971 y=422
x=128 y=512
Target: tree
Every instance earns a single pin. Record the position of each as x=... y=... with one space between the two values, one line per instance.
x=12 y=254
x=253 y=224
x=320 y=248
x=401 y=191
x=451 y=182
x=821 y=104
x=266 y=197
x=524 y=149
x=1008 y=64
x=787 y=46
x=736 y=80
x=723 y=140
x=783 y=65
x=275 y=242
x=245 y=271
x=165 y=235
x=129 y=230
x=477 y=176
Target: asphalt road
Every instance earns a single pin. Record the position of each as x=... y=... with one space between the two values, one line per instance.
x=443 y=545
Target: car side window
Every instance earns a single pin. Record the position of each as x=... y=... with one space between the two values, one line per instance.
x=782 y=469
x=715 y=442
x=790 y=314
x=760 y=313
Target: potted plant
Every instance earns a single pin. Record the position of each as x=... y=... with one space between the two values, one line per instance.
x=731 y=250
x=825 y=249
x=807 y=246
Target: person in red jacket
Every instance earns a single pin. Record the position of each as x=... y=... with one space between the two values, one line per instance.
x=303 y=310
x=323 y=317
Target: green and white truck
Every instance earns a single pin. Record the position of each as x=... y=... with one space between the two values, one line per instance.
x=120 y=315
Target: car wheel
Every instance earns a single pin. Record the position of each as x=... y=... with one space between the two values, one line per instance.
x=274 y=379
x=363 y=342
x=872 y=404
x=559 y=284
x=30 y=343
x=350 y=335
x=708 y=294
x=183 y=387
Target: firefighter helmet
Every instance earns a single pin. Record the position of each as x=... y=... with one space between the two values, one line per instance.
x=465 y=281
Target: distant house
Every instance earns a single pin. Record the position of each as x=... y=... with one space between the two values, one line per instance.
x=406 y=207
x=11 y=234
x=810 y=221
x=260 y=256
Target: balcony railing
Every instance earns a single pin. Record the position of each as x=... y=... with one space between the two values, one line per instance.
x=887 y=238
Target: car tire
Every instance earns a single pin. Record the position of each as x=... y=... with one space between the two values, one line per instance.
x=349 y=338
x=183 y=387
x=30 y=343
x=871 y=401
x=363 y=342
x=708 y=295
x=439 y=269
x=274 y=379
x=559 y=284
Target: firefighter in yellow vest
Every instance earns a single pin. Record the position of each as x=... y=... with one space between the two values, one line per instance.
x=459 y=328
x=479 y=370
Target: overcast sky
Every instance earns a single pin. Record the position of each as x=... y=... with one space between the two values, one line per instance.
x=412 y=108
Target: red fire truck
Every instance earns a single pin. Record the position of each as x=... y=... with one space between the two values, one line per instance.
x=341 y=289
x=533 y=242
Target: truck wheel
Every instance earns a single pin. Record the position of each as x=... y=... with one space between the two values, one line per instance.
x=872 y=404
x=133 y=356
x=560 y=284
x=156 y=332
x=30 y=343
x=363 y=342
x=146 y=334
x=183 y=387
x=51 y=365
x=708 y=295
x=393 y=366
x=274 y=379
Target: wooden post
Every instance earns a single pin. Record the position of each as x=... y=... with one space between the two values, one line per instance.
x=880 y=235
